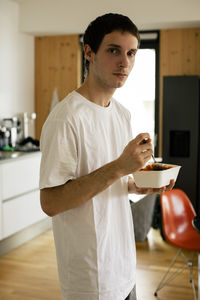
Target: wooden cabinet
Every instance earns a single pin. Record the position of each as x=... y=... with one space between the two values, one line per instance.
x=57 y=70
x=180 y=52
x=19 y=196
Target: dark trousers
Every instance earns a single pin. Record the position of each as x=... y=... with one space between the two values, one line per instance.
x=132 y=295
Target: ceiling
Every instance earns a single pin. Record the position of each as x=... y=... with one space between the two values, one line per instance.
x=45 y=17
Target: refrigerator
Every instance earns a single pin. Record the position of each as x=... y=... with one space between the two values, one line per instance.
x=181 y=132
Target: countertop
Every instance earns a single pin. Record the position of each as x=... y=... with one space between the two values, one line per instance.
x=16 y=155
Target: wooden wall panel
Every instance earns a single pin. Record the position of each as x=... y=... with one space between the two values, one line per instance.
x=179 y=55
x=57 y=66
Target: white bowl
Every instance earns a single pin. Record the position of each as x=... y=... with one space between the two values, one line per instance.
x=156 y=178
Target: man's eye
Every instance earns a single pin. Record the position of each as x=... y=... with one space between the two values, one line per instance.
x=132 y=53
x=113 y=50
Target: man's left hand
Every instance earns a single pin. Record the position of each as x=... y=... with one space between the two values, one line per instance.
x=133 y=189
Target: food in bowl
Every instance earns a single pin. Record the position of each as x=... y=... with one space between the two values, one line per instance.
x=156 y=175
x=156 y=167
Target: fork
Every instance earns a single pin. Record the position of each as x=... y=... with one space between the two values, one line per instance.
x=144 y=142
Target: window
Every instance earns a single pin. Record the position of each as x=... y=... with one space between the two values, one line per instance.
x=140 y=92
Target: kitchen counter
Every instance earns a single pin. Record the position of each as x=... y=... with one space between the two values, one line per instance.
x=21 y=216
x=13 y=155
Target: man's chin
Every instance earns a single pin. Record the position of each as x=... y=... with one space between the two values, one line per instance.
x=120 y=84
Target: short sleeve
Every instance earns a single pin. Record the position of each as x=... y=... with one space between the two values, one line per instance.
x=59 y=153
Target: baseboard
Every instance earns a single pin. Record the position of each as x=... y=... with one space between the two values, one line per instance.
x=24 y=236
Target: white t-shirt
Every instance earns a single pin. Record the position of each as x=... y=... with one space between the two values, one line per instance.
x=95 y=244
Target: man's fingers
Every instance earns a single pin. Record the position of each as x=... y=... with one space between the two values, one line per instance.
x=155 y=190
x=142 y=138
x=170 y=185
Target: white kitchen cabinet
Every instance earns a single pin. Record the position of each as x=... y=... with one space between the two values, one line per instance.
x=19 y=194
x=20 y=212
x=20 y=175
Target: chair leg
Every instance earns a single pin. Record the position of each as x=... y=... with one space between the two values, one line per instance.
x=188 y=263
x=194 y=290
x=190 y=266
x=164 y=281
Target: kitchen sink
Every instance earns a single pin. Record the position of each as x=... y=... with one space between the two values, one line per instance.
x=10 y=154
x=16 y=153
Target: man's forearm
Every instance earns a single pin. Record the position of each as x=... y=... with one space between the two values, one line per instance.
x=57 y=199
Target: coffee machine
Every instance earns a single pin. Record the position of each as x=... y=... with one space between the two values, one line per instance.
x=15 y=130
x=8 y=132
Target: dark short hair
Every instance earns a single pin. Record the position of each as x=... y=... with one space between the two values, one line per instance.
x=106 y=24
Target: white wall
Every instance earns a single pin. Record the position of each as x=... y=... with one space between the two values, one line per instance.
x=72 y=16
x=16 y=63
x=21 y=18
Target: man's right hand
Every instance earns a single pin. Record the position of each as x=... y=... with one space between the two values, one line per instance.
x=136 y=154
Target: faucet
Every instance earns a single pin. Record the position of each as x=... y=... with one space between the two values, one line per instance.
x=26 y=118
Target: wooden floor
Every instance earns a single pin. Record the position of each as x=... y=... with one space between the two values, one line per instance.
x=153 y=259
x=29 y=272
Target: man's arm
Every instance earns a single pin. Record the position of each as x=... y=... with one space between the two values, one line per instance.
x=58 y=199
x=76 y=192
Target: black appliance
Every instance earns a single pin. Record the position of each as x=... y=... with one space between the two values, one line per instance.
x=181 y=132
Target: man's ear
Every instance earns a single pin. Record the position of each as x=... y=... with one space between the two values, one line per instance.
x=88 y=53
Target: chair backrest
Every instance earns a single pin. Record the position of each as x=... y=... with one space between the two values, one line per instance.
x=177 y=215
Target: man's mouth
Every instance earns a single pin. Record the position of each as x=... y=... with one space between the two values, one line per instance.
x=120 y=74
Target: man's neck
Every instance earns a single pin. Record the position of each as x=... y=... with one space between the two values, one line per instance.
x=96 y=94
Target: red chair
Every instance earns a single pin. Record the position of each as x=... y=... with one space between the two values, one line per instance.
x=177 y=216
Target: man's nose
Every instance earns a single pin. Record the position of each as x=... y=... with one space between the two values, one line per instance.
x=123 y=62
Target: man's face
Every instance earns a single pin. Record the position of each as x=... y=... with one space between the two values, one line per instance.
x=114 y=60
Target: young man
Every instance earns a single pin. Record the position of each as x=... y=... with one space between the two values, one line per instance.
x=87 y=154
